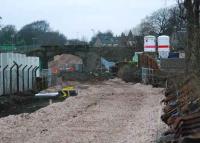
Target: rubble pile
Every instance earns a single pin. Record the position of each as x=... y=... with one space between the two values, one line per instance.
x=182 y=111
x=62 y=60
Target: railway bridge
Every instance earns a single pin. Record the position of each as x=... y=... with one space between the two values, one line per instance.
x=47 y=53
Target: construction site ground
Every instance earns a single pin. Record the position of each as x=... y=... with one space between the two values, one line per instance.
x=106 y=112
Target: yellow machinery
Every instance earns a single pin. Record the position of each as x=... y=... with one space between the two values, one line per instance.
x=67 y=91
x=62 y=93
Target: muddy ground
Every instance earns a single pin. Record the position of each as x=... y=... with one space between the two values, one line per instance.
x=108 y=112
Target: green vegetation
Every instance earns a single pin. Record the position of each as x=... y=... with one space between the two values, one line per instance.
x=7 y=47
x=35 y=33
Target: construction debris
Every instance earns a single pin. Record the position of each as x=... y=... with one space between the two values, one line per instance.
x=65 y=62
x=59 y=92
x=182 y=112
x=65 y=59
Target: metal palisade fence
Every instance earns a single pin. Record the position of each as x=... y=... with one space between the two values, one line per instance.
x=17 y=73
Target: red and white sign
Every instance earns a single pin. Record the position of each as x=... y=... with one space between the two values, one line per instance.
x=163 y=43
x=150 y=43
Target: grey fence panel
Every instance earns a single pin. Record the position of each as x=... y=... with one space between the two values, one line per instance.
x=20 y=59
x=7 y=81
x=26 y=80
x=1 y=82
x=30 y=78
x=20 y=80
x=14 y=83
x=147 y=75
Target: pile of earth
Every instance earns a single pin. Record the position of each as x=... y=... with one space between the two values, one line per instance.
x=65 y=59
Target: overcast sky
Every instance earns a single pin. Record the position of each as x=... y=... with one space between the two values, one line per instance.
x=77 y=18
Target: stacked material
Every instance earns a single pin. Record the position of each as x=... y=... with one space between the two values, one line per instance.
x=148 y=61
x=172 y=65
x=182 y=111
x=65 y=59
x=65 y=62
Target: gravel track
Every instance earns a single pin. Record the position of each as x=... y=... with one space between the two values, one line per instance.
x=108 y=112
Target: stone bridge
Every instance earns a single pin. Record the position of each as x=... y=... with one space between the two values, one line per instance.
x=47 y=52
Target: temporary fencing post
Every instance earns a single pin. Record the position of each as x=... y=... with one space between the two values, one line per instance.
x=33 y=71
x=4 y=87
x=36 y=73
x=18 y=67
x=28 y=75
x=23 y=77
x=11 y=76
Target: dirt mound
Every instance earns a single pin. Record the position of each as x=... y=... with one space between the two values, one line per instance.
x=65 y=59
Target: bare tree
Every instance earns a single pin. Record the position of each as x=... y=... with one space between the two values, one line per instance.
x=160 y=20
x=146 y=27
x=192 y=49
